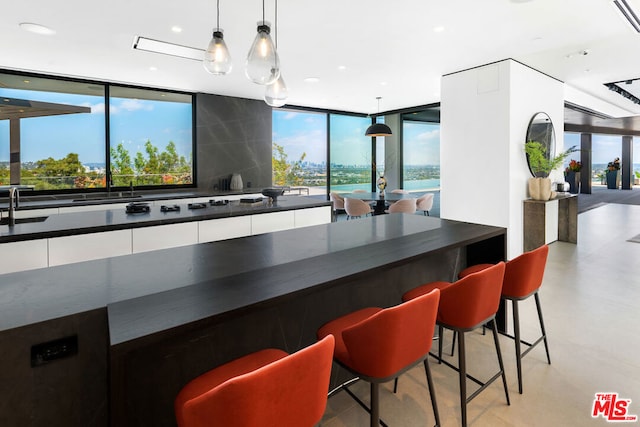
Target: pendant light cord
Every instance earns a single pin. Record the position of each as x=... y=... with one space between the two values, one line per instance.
x=276 y=26
x=218 y=16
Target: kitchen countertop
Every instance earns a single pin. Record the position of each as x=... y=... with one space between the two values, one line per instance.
x=151 y=292
x=66 y=224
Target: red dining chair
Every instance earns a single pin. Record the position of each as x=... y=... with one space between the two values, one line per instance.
x=265 y=388
x=378 y=344
x=465 y=305
x=522 y=279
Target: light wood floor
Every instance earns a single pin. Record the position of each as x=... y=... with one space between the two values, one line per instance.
x=590 y=300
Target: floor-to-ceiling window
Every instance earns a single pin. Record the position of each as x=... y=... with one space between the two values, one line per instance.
x=605 y=149
x=53 y=135
x=151 y=137
x=300 y=150
x=421 y=154
x=351 y=155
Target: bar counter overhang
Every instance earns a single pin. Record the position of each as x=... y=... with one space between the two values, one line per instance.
x=166 y=316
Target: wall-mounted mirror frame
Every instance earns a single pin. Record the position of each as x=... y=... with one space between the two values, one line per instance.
x=541 y=130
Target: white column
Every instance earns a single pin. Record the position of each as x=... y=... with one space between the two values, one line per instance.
x=485 y=112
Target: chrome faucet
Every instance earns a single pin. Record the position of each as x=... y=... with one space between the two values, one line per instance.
x=14 y=197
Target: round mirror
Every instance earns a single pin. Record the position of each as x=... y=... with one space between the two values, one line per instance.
x=541 y=130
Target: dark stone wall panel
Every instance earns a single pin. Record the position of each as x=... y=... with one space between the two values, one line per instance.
x=233 y=136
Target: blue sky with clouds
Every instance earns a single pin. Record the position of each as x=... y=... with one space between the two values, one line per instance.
x=133 y=122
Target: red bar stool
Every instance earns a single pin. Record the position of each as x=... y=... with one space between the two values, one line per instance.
x=377 y=345
x=265 y=388
x=522 y=279
x=466 y=305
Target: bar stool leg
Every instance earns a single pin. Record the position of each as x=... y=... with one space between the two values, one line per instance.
x=518 y=343
x=544 y=332
x=463 y=378
x=441 y=334
x=494 y=328
x=432 y=392
x=375 y=405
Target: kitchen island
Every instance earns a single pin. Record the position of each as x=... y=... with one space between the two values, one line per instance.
x=148 y=323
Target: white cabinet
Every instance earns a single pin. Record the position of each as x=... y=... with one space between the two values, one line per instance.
x=20 y=256
x=312 y=216
x=86 y=247
x=269 y=222
x=224 y=228
x=164 y=236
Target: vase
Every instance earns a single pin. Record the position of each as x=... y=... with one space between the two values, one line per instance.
x=573 y=178
x=612 y=180
x=236 y=182
x=540 y=188
x=382 y=184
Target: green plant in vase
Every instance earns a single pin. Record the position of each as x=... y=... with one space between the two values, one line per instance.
x=541 y=165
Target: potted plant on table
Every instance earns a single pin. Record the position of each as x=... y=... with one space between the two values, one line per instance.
x=541 y=165
x=572 y=176
x=613 y=170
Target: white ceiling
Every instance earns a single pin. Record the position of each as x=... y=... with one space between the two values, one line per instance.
x=389 y=48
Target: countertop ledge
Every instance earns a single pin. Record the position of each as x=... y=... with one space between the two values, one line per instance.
x=67 y=224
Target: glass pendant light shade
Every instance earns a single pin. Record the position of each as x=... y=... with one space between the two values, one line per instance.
x=217 y=59
x=276 y=93
x=263 y=64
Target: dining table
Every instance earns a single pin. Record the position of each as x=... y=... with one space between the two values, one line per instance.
x=381 y=200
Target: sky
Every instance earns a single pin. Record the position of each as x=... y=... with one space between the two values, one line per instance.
x=303 y=132
x=133 y=122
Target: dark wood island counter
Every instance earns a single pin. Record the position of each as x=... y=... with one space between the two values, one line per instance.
x=147 y=323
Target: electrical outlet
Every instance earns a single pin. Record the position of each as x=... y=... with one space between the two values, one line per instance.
x=43 y=353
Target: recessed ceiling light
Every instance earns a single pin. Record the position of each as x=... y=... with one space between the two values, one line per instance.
x=36 y=28
x=438 y=29
x=342 y=67
x=26 y=81
x=176 y=29
x=153 y=68
x=312 y=80
x=383 y=83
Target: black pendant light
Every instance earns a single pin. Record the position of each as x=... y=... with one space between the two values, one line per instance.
x=378 y=129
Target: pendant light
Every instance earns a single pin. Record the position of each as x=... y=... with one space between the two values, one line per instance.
x=263 y=64
x=378 y=129
x=276 y=93
x=217 y=59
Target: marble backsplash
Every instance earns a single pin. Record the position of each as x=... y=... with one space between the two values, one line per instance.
x=233 y=136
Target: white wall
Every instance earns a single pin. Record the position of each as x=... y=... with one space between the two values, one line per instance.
x=485 y=112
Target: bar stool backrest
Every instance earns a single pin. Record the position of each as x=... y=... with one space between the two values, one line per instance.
x=291 y=391
x=393 y=338
x=472 y=300
x=523 y=274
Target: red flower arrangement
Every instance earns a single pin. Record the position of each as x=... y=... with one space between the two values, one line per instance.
x=574 y=166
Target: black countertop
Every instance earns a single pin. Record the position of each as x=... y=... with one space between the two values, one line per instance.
x=152 y=292
x=66 y=224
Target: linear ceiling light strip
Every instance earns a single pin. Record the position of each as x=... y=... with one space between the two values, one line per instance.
x=171 y=49
x=628 y=13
